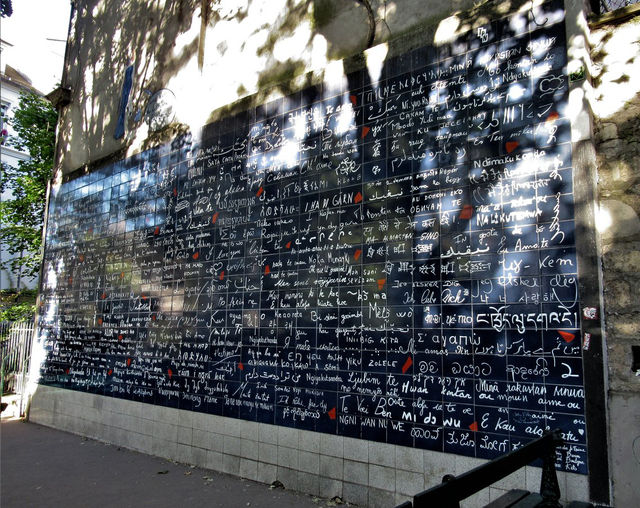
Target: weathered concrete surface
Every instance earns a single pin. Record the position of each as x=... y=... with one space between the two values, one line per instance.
x=372 y=474
x=616 y=56
x=263 y=47
x=44 y=467
x=616 y=106
x=241 y=48
x=625 y=448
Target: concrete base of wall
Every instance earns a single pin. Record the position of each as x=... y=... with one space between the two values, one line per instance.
x=362 y=472
x=625 y=448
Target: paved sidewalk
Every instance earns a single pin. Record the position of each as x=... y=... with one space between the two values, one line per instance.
x=44 y=467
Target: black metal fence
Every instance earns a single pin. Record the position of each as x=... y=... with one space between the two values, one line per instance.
x=15 y=354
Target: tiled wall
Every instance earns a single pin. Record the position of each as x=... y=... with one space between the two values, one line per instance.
x=362 y=472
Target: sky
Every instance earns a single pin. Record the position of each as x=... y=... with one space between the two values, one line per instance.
x=30 y=29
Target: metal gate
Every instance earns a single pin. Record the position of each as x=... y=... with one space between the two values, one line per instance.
x=15 y=353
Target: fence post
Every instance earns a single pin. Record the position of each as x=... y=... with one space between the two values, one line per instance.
x=26 y=359
x=549 y=488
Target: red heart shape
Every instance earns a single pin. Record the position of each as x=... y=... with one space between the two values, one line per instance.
x=467 y=212
x=407 y=365
x=512 y=145
x=568 y=337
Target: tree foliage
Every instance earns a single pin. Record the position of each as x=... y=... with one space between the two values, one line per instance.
x=17 y=305
x=24 y=187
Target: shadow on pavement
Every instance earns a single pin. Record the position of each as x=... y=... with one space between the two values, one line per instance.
x=44 y=467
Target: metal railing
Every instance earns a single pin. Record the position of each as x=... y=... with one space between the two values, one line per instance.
x=454 y=489
x=15 y=354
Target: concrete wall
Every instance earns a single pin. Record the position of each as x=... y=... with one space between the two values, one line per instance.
x=248 y=48
x=251 y=49
x=616 y=105
x=362 y=472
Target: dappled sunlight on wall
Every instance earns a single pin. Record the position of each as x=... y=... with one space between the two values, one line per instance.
x=616 y=69
x=402 y=231
x=615 y=99
x=105 y=39
x=247 y=47
x=375 y=58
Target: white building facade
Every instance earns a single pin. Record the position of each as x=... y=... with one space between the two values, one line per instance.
x=12 y=83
